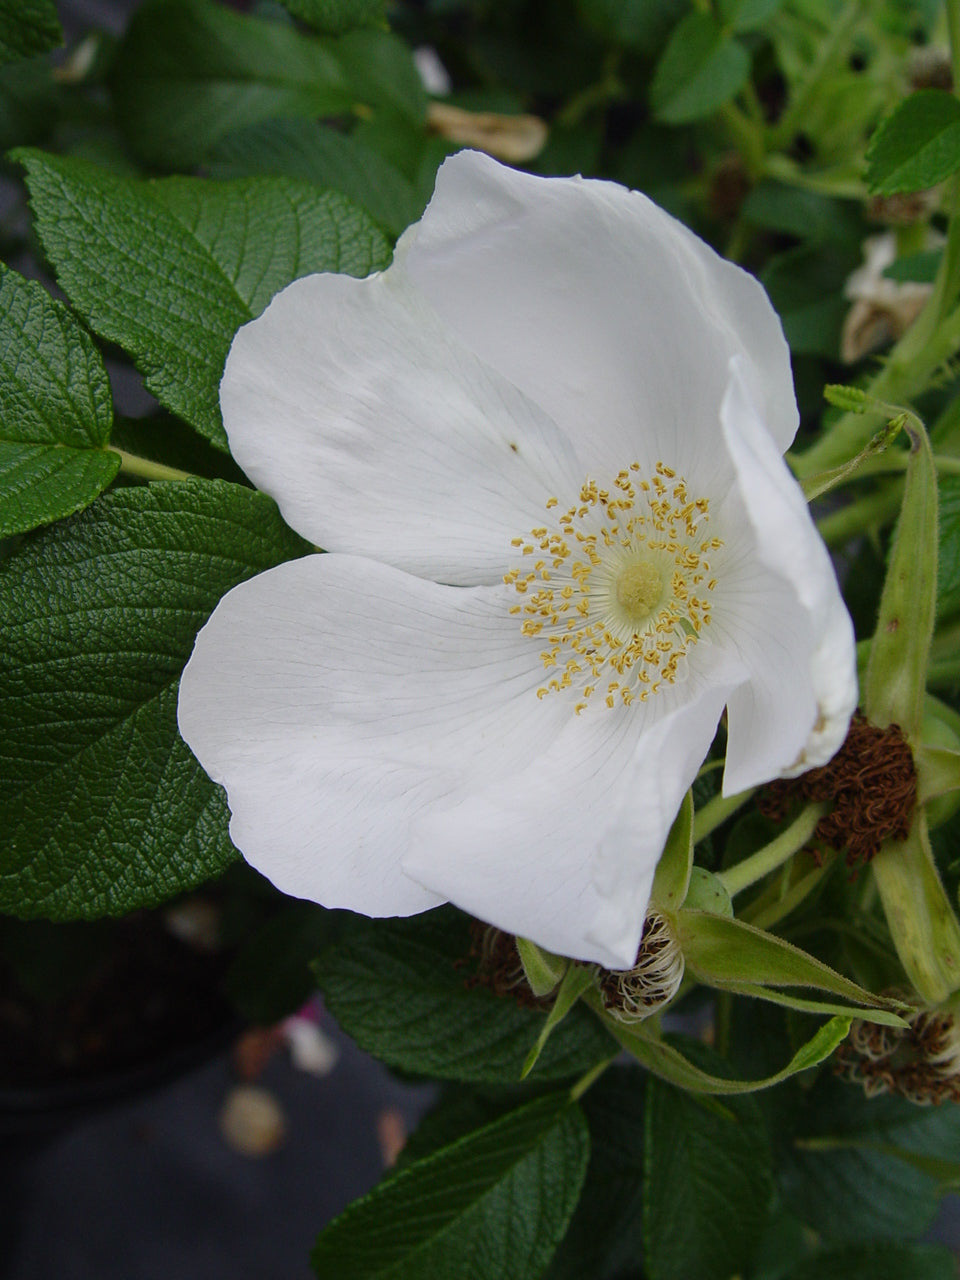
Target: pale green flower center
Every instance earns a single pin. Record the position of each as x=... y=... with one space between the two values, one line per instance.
x=619 y=587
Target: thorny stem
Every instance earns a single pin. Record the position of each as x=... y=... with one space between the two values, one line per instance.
x=739 y=877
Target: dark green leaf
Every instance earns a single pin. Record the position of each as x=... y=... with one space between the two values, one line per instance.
x=701 y=68
x=382 y=73
x=709 y=1183
x=405 y=991
x=270 y=976
x=920 y=267
x=28 y=27
x=188 y=262
x=190 y=71
x=643 y=25
x=333 y=17
x=804 y=285
x=56 y=410
x=917 y=146
x=948 y=571
x=879 y=1262
x=808 y=215
x=313 y=152
x=102 y=807
x=747 y=15
x=605 y=1233
x=496 y=1203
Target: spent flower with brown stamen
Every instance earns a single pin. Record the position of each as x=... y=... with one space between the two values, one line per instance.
x=871 y=784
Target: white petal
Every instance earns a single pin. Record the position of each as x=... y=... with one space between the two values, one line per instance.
x=336 y=699
x=564 y=852
x=606 y=311
x=782 y=608
x=380 y=435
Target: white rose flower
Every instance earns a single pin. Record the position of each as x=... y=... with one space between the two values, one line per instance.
x=543 y=453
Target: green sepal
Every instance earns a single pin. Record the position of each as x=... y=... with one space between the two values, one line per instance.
x=850 y=399
x=672 y=878
x=730 y=953
x=707 y=892
x=663 y=1060
x=922 y=924
x=822 y=482
x=578 y=979
x=822 y=1007
x=938 y=772
x=895 y=682
x=542 y=969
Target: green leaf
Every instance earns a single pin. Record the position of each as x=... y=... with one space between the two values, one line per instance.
x=189 y=72
x=27 y=28
x=663 y=1060
x=917 y=146
x=382 y=73
x=804 y=285
x=333 y=17
x=604 y=1238
x=643 y=25
x=920 y=267
x=56 y=410
x=709 y=1183
x=403 y=990
x=313 y=152
x=807 y=215
x=496 y=1203
x=542 y=969
x=102 y=807
x=701 y=69
x=747 y=15
x=892 y=1261
x=188 y=262
x=724 y=952
x=270 y=976
x=948 y=568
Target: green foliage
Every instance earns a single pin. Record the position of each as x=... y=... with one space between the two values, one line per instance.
x=643 y=25
x=190 y=71
x=403 y=990
x=270 y=976
x=312 y=152
x=382 y=73
x=605 y=1234
x=948 y=569
x=701 y=68
x=333 y=17
x=917 y=146
x=495 y=1203
x=102 y=807
x=878 y=1262
x=227 y=246
x=56 y=410
x=709 y=1183
x=746 y=15
x=28 y=27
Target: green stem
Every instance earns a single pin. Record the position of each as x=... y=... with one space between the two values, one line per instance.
x=953 y=27
x=147 y=469
x=739 y=877
x=717 y=810
x=829 y=54
x=747 y=137
x=585 y=1081
x=866 y=513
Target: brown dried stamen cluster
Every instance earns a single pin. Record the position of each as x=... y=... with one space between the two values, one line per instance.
x=498 y=966
x=871 y=785
x=920 y=1063
x=631 y=995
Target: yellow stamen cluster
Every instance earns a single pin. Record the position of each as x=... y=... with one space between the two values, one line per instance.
x=619 y=588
